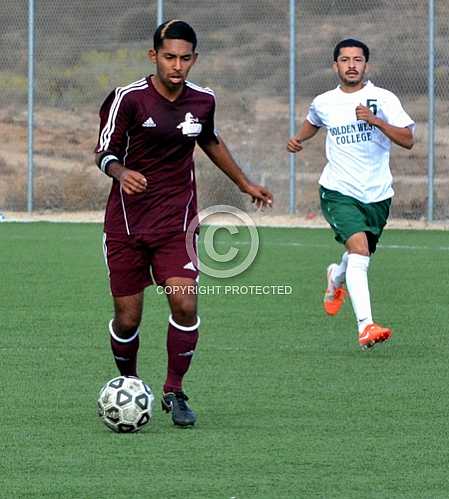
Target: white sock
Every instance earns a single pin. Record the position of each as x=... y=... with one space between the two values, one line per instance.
x=339 y=272
x=357 y=284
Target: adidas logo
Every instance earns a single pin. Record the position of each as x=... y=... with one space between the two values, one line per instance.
x=149 y=123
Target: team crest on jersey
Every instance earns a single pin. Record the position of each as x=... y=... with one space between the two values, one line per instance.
x=190 y=126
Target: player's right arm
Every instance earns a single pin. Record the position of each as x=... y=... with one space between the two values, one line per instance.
x=306 y=132
x=132 y=182
x=115 y=117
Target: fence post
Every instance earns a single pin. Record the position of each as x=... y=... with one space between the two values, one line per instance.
x=292 y=105
x=30 y=103
x=431 y=112
x=160 y=12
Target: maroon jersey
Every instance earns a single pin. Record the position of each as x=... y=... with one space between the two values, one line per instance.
x=156 y=137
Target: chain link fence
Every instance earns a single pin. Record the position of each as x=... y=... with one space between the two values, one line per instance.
x=442 y=111
x=13 y=94
x=84 y=49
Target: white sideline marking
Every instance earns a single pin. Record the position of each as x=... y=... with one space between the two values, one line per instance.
x=413 y=248
x=305 y=245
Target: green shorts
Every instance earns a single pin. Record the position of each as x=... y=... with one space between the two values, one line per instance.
x=347 y=216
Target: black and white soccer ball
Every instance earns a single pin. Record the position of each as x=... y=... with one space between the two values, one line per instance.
x=125 y=404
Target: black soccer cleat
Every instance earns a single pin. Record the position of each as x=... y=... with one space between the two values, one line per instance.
x=181 y=413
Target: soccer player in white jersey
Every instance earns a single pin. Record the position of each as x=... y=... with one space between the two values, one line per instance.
x=362 y=121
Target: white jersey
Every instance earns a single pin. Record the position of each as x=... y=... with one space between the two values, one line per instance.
x=358 y=154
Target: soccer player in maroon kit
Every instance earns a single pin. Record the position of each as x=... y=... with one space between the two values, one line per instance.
x=148 y=132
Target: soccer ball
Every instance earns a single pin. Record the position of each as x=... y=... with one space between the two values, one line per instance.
x=125 y=404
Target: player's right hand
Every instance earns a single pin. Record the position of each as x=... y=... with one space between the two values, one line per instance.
x=294 y=145
x=133 y=182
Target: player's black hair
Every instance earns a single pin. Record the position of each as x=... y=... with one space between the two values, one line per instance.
x=174 y=30
x=351 y=42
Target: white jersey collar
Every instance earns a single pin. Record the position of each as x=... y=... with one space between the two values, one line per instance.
x=366 y=84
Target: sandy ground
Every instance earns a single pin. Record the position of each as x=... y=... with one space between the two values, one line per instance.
x=260 y=219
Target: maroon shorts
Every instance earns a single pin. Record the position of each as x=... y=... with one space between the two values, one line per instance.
x=134 y=262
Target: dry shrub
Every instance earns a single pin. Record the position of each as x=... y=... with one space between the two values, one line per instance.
x=7 y=168
x=47 y=191
x=13 y=194
x=214 y=187
x=85 y=189
x=12 y=185
x=76 y=190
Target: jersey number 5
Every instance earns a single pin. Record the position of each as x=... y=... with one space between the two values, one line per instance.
x=372 y=104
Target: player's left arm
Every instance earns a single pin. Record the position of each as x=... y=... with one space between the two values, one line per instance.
x=220 y=155
x=402 y=136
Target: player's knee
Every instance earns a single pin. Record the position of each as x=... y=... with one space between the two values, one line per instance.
x=361 y=251
x=184 y=312
x=125 y=325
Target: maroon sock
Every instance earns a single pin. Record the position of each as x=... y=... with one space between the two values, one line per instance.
x=180 y=348
x=125 y=352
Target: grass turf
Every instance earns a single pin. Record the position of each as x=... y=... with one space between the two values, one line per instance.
x=288 y=405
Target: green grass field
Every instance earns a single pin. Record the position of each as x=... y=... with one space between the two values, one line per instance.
x=288 y=405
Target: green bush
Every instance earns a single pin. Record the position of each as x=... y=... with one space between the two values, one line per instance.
x=93 y=77
x=13 y=87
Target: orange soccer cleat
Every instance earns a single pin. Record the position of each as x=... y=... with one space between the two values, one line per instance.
x=372 y=334
x=333 y=297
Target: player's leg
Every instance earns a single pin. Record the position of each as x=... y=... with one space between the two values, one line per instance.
x=338 y=271
x=334 y=207
x=182 y=337
x=182 y=333
x=173 y=268
x=357 y=278
x=335 y=293
x=359 y=227
x=357 y=283
x=124 y=332
x=128 y=266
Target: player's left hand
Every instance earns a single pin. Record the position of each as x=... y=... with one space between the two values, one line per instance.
x=364 y=113
x=260 y=196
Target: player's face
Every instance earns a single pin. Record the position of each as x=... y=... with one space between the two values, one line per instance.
x=173 y=62
x=351 y=66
